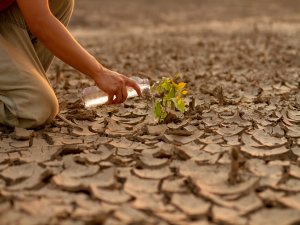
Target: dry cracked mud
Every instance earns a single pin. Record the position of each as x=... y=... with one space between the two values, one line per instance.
x=234 y=158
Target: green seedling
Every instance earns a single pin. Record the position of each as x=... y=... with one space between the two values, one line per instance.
x=169 y=97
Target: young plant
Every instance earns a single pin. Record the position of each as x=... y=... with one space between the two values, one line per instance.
x=169 y=97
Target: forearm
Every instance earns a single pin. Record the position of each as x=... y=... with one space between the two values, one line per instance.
x=62 y=44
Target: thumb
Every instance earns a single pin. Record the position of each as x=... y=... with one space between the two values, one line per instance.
x=110 y=99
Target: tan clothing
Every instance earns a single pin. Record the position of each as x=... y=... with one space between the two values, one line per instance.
x=26 y=97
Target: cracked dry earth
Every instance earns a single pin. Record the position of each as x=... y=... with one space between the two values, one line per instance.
x=232 y=159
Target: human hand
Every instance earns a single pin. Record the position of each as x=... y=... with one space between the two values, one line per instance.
x=115 y=85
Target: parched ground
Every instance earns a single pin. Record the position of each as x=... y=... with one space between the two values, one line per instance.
x=232 y=159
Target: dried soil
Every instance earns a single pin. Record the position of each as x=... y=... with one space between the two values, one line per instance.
x=232 y=159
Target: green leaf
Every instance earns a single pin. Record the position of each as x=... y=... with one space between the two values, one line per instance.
x=163 y=116
x=179 y=104
x=157 y=109
x=166 y=84
x=169 y=103
x=170 y=95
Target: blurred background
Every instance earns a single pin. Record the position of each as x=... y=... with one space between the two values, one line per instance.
x=121 y=13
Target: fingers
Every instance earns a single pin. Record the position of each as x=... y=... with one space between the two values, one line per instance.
x=110 y=99
x=124 y=93
x=134 y=85
x=119 y=97
x=120 y=92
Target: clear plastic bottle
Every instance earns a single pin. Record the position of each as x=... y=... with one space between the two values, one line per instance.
x=94 y=96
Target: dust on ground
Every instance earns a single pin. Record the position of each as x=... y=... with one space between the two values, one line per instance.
x=234 y=157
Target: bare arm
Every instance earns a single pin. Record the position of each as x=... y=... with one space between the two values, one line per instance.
x=52 y=33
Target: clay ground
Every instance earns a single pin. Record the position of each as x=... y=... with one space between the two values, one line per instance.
x=232 y=159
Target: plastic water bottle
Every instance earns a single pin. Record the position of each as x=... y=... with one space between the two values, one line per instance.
x=94 y=96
